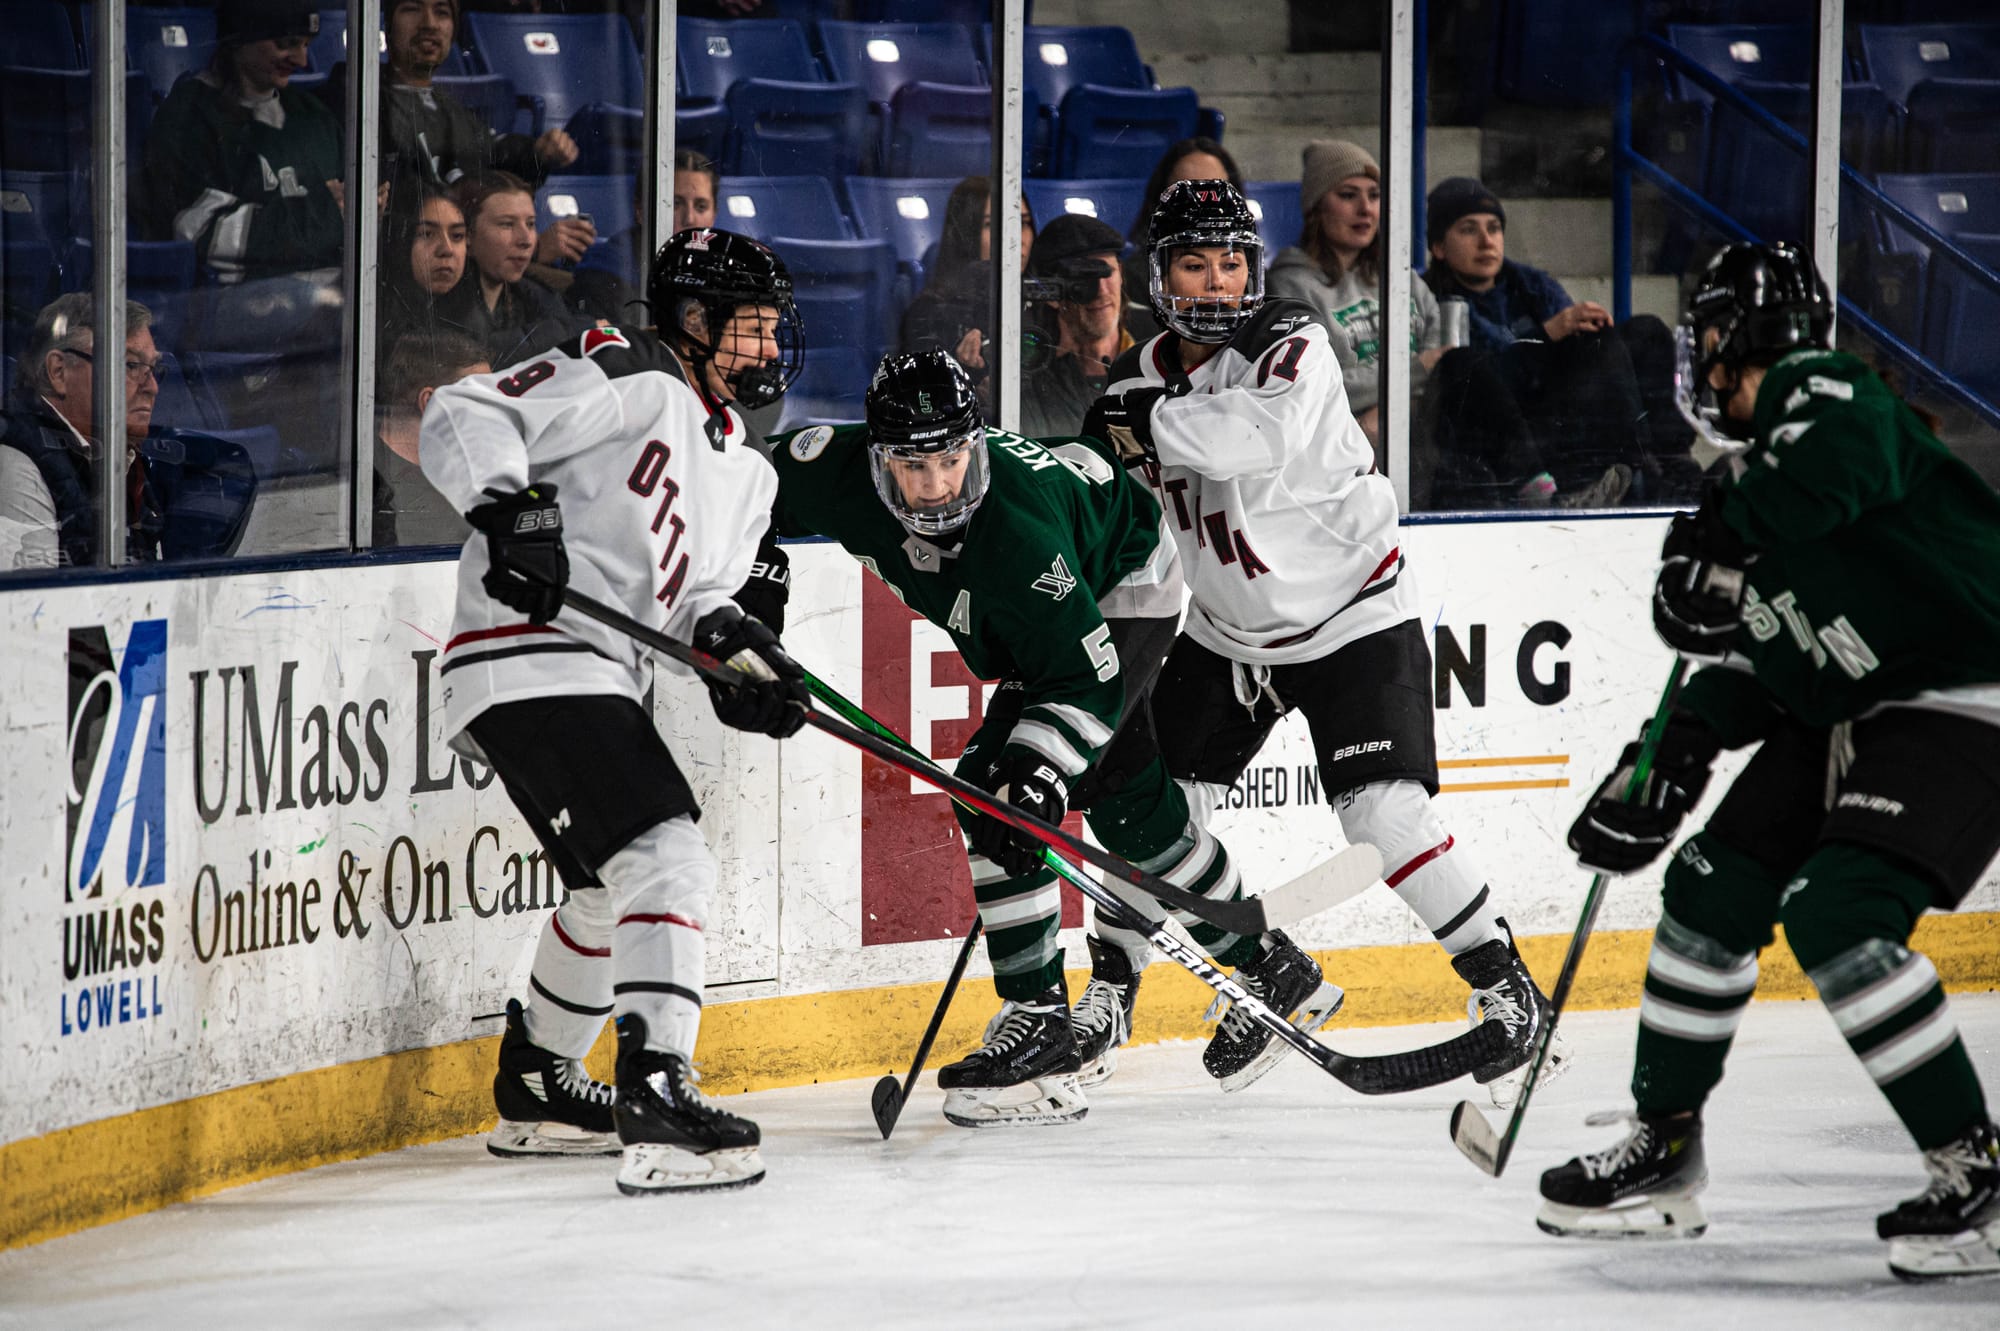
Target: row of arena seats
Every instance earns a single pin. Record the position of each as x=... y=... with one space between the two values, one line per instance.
x=1945 y=304
x=761 y=97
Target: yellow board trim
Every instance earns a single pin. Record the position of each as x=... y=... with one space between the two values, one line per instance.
x=117 y=1167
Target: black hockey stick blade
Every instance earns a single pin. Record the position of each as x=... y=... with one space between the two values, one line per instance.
x=887 y=1099
x=1245 y=916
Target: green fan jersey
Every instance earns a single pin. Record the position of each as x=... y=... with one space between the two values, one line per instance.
x=1878 y=569
x=1019 y=592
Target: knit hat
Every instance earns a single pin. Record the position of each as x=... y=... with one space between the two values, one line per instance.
x=1072 y=236
x=1460 y=196
x=1327 y=163
x=240 y=21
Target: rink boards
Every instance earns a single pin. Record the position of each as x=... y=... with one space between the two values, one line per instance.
x=260 y=917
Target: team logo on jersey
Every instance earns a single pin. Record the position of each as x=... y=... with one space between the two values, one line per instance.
x=809 y=444
x=597 y=339
x=1058 y=581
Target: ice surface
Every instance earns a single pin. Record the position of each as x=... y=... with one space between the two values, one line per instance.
x=1171 y=1205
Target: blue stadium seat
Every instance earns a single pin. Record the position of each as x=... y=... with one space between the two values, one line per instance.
x=37 y=33
x=1962 y=314
x=1952 y=125
x=1279 y=219
x=1115 y=202
x=765 y=206
x=329 y=48
x=184 y=404
x=882 y=57
x=702 y=129
x=1054 y=60
x=1733 y=52
x=783 y=129
x=829 y=390
x=46 y=114
x=1900 y=56
x=165 y=43
x=1953 y=204
x=941 y=129
x=43 y=206
x=30 y=278
x=606 y=200
x=966 y=12
x=610 y=140
x=1767 y=186
x=1560 y=52
x=909 y=214
x=845 y=291
x=491 y=98
x=1119 y=131
x=567 y=60
x=712 y=55
x=159 y=274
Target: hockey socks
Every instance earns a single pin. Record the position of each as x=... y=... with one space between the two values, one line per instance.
x=1433 y=875
x=1696 y=992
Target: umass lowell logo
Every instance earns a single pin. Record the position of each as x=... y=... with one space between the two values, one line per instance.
x=117 y=827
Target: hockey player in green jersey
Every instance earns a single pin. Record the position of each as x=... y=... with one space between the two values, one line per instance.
x=1844 y=581
x=1046 y=565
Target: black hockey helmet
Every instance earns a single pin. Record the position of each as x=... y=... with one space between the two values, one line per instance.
x=920 y=405
x=1200 y=214
x=722 y=272
x=1751 y=301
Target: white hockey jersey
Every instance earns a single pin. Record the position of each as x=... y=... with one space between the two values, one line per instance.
x=662 y=505
x=1288 y=536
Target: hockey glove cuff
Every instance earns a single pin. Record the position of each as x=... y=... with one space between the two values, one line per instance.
x=527 y=565
x=1618 y=836
x=1124 y=421
x=1698 y=598
x=771 y=698
x=1032 y=785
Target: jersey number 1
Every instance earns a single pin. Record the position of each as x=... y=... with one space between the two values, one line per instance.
x=1283 y=361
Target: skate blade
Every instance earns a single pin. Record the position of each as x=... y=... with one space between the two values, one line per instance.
x=1315 y=1012
x=1970 y=1255
x=1058 y=1100
x=1505 y=1089
x=544 y=1141
x=1098 y=1070
x=655 y=1167
x=1660 y=1215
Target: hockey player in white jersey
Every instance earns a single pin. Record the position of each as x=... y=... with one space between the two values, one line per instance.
x=662 y=508
x=1289 y=540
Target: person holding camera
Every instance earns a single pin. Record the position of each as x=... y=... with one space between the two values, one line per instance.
x=1076 y=299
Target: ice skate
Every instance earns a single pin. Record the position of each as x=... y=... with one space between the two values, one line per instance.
x=1102 y=1019
x=675 y=1139
x=549 y=1106
x=1953 y=1230
x=1288 y=982
x=1028 y=1042
x=1503 y=991
x=1642 y=1188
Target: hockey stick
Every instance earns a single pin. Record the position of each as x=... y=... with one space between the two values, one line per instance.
x=1352 y=870
x=1377 y=1075
x=1245 y=916
x=888 y=1097
x=1470 y=1132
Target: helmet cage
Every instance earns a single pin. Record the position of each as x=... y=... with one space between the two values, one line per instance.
x=753 y=385
x=943 y=441
x=1206 y=319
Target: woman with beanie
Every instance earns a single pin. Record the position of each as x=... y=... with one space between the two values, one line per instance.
x=1337 y=268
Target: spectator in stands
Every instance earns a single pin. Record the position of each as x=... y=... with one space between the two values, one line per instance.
x=1337 y=268
x=607 y=277
x=424 y=248
x=1076 y=339
x=48 y=453
x=955 y=305
x=408 y=508
x=1191 y=159
x=508 y=313
x=1569 y=372
x=240 y=163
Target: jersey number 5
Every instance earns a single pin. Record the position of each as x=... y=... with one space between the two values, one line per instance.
x=1283 y=361
x=1103 y=652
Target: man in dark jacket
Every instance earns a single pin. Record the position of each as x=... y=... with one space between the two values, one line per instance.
x=1074 y=340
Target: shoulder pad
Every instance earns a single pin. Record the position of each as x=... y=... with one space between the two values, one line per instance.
x=1130 y=363
x=814 y=442
x=1278 y=318
x=622 y=351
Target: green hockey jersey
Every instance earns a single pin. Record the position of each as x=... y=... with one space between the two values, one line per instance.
x=1060 y=526
x=1877 y=576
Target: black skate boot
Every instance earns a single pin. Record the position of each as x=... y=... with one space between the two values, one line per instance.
x=1953 y=1230
x=1644 y=1187
x=1289 y=983
x=549 y=1106
x=1503 y=991
x=1026 y=1042
x=1102 y=1020
x=675 y=1139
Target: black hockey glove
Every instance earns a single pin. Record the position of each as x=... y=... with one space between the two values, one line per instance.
x=1616 y=837
x=1125 y=421
x=1698 y=598
x=1032 y=785
x=527 y=565
x=772 y=698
